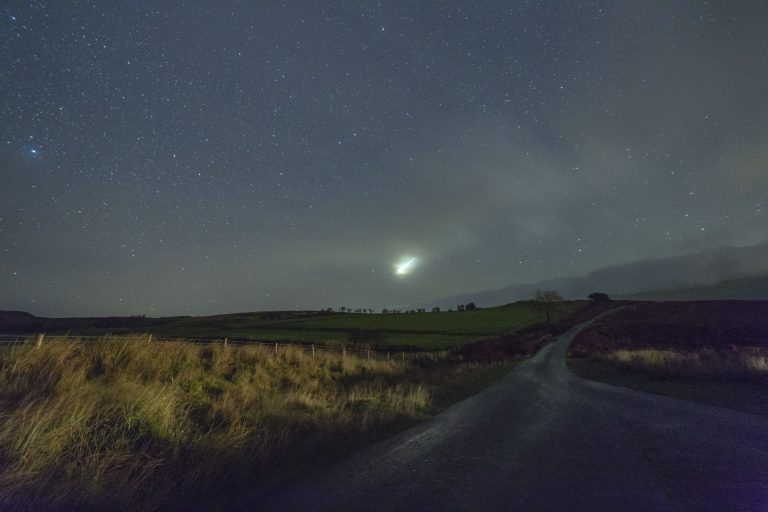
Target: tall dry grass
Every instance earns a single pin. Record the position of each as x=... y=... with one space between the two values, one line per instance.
x=744 y=362
x=127 y=424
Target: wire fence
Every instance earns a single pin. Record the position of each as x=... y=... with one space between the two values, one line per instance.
x=311 y=348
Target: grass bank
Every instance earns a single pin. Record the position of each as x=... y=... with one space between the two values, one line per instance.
x=131 y=425
x=750 y=363
x=710 y=352
x=742 y=395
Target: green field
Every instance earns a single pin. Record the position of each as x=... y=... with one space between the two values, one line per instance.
x=421 y=331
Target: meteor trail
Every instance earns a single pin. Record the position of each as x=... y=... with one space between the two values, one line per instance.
x=403 y=268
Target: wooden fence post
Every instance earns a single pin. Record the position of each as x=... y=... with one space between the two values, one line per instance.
x=149 y=339
x=225 y=341
x=313 y=351
x=343 y=352
x=39 y=342
x=275 y=347
x=403 y=357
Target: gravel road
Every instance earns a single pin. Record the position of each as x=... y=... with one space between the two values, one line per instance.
x=543 y=439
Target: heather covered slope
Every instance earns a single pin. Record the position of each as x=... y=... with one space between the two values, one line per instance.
x=714 y=352
x=678 y=325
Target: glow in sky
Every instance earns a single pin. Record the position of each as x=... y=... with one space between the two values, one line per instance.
x=192 y=160
x=405 y=267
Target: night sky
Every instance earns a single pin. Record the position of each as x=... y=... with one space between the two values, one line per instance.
x=198 y=157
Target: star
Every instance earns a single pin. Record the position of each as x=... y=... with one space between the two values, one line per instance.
x=280 y=140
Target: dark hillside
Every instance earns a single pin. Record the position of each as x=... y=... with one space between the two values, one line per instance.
x=748 y=288
x=678 y=325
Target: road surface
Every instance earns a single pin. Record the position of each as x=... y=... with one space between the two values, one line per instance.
x=544 y=439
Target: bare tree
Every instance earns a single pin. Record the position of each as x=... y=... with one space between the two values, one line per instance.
x=547 y=300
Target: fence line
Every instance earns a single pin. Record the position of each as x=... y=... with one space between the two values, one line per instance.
x=344 y=351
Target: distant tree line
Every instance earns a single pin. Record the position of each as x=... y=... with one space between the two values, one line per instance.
x=461 y=307
x=344 y=309
x=547 y=301
x=470 y=306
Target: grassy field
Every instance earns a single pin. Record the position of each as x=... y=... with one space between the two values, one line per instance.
x=423 y=331
x=129 y=425
x=711 y=352
x=416 y=331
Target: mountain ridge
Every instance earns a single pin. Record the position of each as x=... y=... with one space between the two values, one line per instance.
x=703 y=268
x=747 y=288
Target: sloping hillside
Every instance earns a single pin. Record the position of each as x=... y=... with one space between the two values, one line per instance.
x=705 y=268
x=748 y=288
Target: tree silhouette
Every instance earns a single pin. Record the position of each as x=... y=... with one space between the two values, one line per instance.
x=547 y=301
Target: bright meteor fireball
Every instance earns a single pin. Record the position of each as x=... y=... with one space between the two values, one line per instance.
x=405 y=267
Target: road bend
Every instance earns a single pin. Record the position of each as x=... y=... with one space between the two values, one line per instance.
x=543 y=439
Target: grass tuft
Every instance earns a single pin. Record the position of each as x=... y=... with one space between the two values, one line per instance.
x=125 y=424
x=732 y=362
